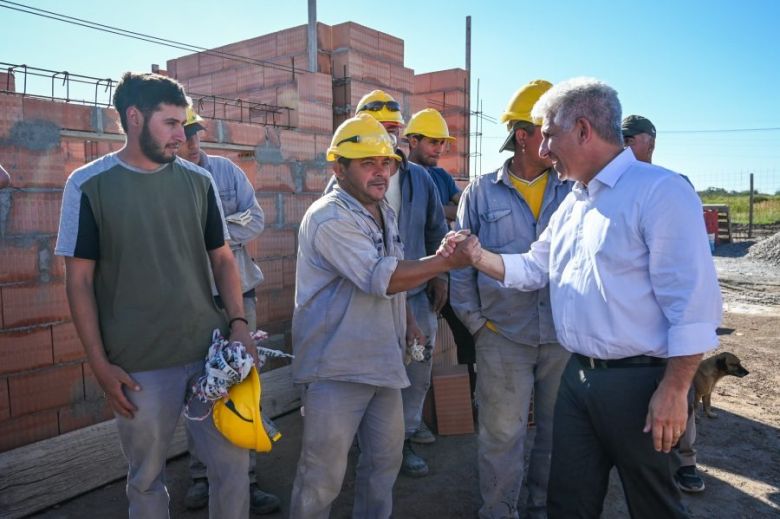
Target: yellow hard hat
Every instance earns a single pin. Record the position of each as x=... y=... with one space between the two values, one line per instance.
x=193 y=123
x=429 y=123
x=381 y=106
x=238 y=416
x=360 y=137
x=519 y=107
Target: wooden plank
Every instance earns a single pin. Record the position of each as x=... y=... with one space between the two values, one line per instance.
x=45 y=473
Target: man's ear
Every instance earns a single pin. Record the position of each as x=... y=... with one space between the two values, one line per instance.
x=134 y=117
x=520 y=135
x=338 y=169
x=584 y=130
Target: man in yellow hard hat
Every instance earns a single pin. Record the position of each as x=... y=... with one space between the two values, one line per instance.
x=517 y=350
x=428 y=135
x=413 y=196
x=245 y=222
x=349 y=326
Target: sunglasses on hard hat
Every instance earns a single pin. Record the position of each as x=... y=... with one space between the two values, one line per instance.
x=372 y=140
x=375 y=106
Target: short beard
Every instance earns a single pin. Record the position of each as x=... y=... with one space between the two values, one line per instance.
x=151 y=149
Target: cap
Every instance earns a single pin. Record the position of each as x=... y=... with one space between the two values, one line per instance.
x=636 y=124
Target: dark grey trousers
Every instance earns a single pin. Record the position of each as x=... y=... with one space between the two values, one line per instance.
x=599 y=417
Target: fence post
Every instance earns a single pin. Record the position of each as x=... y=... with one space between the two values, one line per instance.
x=750 y=210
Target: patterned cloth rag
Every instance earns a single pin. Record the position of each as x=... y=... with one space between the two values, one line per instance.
x=227 y=363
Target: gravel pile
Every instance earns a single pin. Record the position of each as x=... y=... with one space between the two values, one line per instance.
x=767 y=250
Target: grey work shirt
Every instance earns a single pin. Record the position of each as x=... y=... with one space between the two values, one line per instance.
x=345 y=325
x=421 y=221
x=237 y=195
x=499 y=215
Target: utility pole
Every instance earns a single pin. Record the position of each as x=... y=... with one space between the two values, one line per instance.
x=312 y=36
x=467 y=115
x=750 y=210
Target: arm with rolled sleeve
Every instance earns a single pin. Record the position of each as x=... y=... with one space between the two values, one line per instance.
x=246 y=200
x=350 y=252
x=464 y=292
x=682 y=273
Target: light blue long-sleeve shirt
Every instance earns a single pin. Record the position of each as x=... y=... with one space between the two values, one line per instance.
x=345 y=325
x=493 y=210
x=629 y=266
x=237 y=195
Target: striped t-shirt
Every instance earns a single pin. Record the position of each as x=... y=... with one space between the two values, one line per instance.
x=149 y=234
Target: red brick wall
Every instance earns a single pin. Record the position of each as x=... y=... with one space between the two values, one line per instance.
x=46 y=385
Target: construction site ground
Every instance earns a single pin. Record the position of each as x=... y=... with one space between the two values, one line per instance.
x=738 y=452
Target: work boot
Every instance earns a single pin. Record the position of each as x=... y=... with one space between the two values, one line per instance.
x=688 y=480
x=197 y=495
x=413 y=465
x=262 y=502
x=423 y=435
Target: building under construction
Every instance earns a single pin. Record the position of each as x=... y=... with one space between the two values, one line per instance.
x=267 y=109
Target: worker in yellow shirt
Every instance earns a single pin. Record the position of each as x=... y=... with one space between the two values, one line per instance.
x=518 y=354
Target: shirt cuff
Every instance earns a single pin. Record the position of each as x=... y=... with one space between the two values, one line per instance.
x=511 y=272
x=380 y=278
x=691 y=339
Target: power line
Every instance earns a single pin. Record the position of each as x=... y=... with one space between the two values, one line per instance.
x=140 y=36
x=724 y=130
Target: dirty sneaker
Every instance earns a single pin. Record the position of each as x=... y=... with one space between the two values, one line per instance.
x=413 y=465
x=197 y=495
x=423 y=435
x=688 y=480
x=262 y=502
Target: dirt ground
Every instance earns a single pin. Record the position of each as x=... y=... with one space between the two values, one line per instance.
x=738 y=452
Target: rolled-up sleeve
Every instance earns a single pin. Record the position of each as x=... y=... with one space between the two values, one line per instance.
x=354 y=255
x=682 y=272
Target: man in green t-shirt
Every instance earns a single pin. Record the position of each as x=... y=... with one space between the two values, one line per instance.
x=140 y=229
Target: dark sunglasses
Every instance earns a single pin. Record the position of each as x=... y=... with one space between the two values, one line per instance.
x=375 y=106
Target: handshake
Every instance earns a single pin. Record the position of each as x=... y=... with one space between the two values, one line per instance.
x=461 y=249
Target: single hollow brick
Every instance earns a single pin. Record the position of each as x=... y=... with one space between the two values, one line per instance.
x=33 y=304
x=24 y=430
x=46 y=389
x=22 y=350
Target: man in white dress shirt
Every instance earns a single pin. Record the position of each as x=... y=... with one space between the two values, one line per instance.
x=635 y=298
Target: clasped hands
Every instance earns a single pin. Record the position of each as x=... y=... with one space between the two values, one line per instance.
x=461 y=248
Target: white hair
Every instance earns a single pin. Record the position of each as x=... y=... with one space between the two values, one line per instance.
x=583 y=97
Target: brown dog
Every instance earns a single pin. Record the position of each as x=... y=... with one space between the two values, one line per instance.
x=710 y=371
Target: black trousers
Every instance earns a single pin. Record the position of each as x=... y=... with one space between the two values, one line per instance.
x=599 y=417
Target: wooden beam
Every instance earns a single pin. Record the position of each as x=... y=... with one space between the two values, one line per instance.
x=42 y=474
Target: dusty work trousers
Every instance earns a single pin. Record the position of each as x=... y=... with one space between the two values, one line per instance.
x=145 y=439
x=508 y=374
x=333 y=412
x=685 y=448
x=419 y=373
x=197 y=467
x=599 y=417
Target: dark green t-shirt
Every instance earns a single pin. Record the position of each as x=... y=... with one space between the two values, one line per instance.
x=149 y=235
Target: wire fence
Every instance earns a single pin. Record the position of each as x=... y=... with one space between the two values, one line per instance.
x=752 y=200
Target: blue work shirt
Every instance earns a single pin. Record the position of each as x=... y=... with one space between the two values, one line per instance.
x=345 y=326
x=499 y=215
x=421 y=223
x=445 y=184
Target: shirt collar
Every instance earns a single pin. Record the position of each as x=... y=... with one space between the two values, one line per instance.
x=609 y=175
x=504 y=175
x=352 y=203
x=204 y=160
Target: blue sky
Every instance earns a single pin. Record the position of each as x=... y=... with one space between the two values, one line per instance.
x=705 y=66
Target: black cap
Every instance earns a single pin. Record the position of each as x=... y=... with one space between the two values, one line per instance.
x=636 y=124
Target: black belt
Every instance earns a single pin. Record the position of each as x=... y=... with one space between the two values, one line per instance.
x=628 y=362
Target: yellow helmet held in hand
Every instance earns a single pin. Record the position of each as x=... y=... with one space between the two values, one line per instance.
x=519 y=107
x=238 y=416
x=381 y=106
x=429 y=123
x=360 y=137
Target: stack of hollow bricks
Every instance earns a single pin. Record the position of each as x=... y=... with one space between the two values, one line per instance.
x=46 y=385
